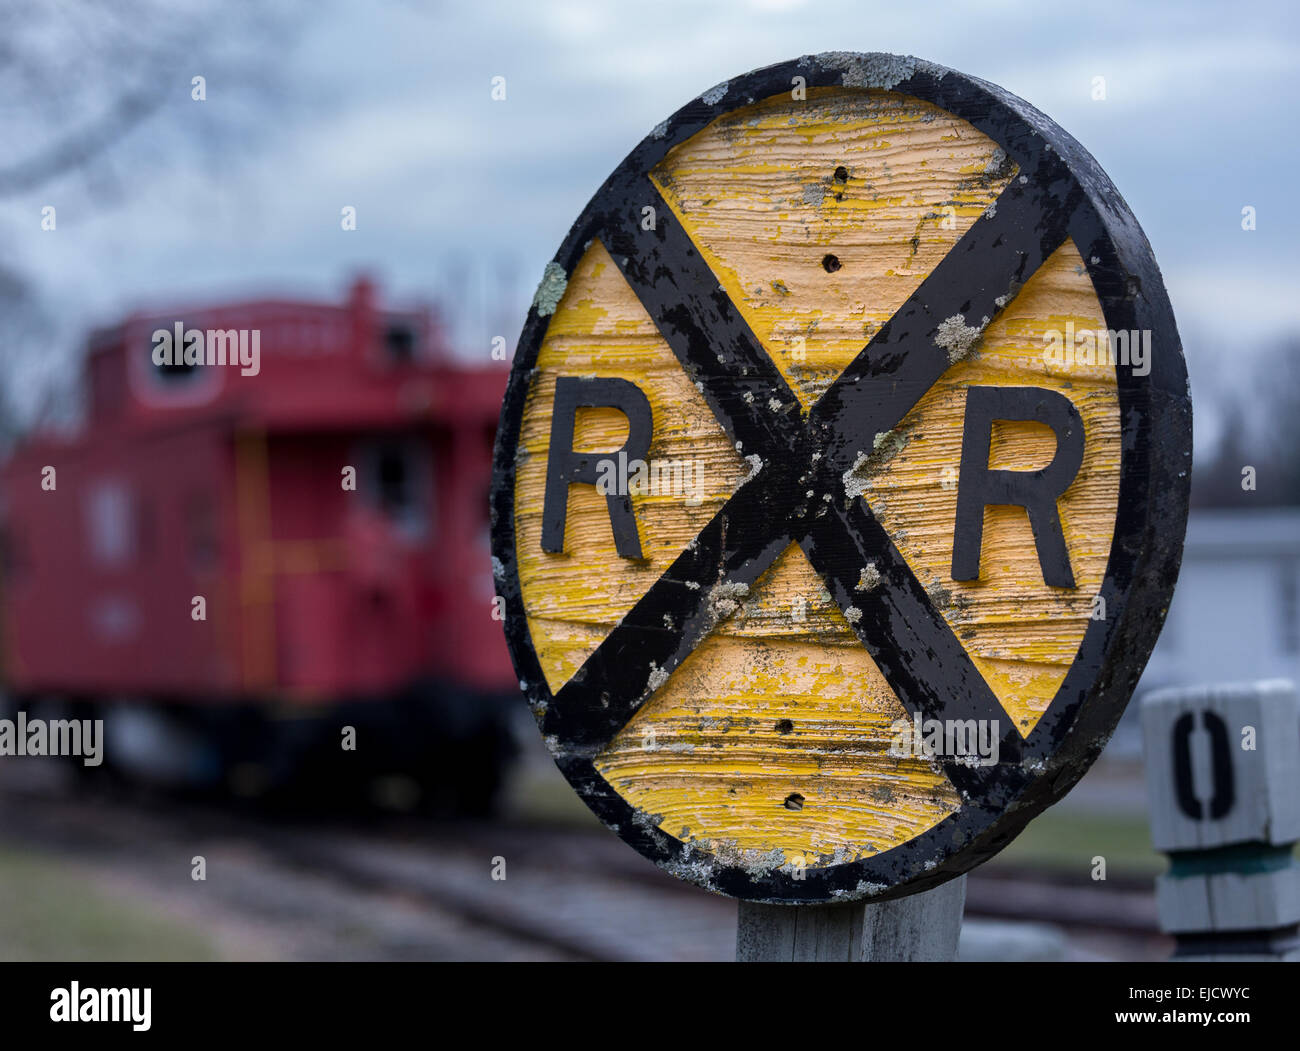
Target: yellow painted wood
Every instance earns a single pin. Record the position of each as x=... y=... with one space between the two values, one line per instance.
x=757 y=192
x=781 y=700
x=1021 y=633
x=574 y=599
x=711 y=760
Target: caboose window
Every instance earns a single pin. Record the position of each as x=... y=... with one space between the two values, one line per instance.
x=174 y=371
x=400 y=484
x=111 y=524
x=400 y=341
x=395 y=497
x=178 y=372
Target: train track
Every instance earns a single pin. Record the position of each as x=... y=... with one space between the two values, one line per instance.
x=566 y=893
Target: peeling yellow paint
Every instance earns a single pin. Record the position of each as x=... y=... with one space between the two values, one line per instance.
x=710 y=756
x=574 y=599
x=757 y=192
x=1021 y=633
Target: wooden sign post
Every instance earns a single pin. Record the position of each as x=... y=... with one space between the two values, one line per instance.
x=1223 y=776
x=841 y=481
x=922 y=928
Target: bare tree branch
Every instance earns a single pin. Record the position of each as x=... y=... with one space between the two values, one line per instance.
x=81 y=146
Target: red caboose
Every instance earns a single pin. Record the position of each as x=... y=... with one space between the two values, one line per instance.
x=274 y=525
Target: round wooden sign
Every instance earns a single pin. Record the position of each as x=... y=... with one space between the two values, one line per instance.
x=841 y=480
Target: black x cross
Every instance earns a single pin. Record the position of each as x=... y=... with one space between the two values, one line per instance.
x=925 y=664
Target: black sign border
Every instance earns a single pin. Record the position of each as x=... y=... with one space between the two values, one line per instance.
x=1150 y=523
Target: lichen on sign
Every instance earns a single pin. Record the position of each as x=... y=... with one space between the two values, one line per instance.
x=766 y=191
x=773 y=705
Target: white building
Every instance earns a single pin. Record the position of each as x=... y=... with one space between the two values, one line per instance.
x=1236 y=612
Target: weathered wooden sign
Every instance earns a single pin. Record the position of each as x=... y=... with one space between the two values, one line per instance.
x=841 y=480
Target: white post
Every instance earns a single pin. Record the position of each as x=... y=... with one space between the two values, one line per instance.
x=1223 y=775
x=922 y=926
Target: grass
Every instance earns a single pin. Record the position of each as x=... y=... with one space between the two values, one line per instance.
x=540 y=795
x=48 y=912
x=1067 y=840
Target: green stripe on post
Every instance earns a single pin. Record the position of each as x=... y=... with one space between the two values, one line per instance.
x=1240 y=858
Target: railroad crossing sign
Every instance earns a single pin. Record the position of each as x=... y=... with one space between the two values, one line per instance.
x=841 y=480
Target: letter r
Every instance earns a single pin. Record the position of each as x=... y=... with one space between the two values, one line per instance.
x=1035 y=491
x=564 y=467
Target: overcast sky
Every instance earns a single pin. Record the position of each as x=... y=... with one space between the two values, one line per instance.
x=388 y=109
